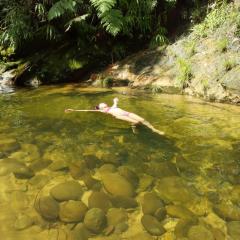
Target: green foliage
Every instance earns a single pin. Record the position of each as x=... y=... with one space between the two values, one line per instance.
x=190 y=47
x=229 y=64
x=222 y=45
x=16 y=27
x=184 y=72
x=107 y=82
x=61 y=7
x=155 y=89
x=159 y=39
x=216 y=17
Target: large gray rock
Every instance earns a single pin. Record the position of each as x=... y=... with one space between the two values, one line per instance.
x=70 y=190
x=231 y=80
x=99 y=200
x=47 y=207
x=95 y=220
x=72 y=211
x=117 y=185
x=152 y=225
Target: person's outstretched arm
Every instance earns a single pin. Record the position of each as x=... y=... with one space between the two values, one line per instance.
x=80 y=110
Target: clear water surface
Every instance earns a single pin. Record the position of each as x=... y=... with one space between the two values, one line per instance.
x=196 y=165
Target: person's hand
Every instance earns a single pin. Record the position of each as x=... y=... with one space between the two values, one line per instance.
x=68 y=110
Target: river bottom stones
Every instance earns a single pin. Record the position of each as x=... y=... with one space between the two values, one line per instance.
x=150 y=203
x=72 y=211
x=70 y=190
x=228 y=212
x=117 y=185
x=233 y=229
x=23 y=221
x=99 y=200
x=152 y=225
x=118 y=219
x=47 y=207
x=180 y=212
x=95 y=220
x=199 y=232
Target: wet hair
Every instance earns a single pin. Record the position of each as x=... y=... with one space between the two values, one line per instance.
x=96 y=107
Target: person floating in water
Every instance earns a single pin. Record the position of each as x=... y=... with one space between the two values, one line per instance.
x=121 y=114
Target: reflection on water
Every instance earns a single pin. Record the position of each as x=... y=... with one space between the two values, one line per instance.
x=88 y=176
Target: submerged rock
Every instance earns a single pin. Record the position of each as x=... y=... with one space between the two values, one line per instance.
x=8 y=144
x=233 y=229
x=90 y=182
x=80 y=232
x=99 y=200
x=59 y=165
x=47 y=207
x=124 y=202
x=77 y=169
x=117 y=185
x=72 y=211
x=116 y=216
x=107 y=168
x=227 y=212
x=40 y=165
x=182 y=228
x=150 y=203
x=23 y=221
x=39 y=181
x=174 y=189
x=70 y=190
x=145 y=183
x=23 y=172
x=180 y=212
x=152 y=225
x=199 y=232
x=95 y=220
x=160 y=213
x=130 y=175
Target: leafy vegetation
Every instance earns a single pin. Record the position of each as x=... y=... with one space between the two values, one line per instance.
x=222 y=45
x=184 y=72
x=101 y=31
x=229 y=64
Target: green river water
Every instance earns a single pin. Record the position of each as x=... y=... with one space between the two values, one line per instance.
x=183 y=185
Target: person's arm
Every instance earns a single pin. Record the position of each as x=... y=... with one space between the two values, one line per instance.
x=80 y=110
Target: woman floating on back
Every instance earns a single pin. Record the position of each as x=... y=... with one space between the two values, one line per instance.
x=119 y=113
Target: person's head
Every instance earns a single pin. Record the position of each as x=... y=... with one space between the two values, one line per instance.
x=101 y=106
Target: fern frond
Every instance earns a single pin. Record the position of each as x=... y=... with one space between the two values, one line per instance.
x=112 y=20
x=61 y=7
x=103 y=6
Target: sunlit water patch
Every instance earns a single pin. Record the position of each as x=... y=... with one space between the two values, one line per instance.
x=90 y=176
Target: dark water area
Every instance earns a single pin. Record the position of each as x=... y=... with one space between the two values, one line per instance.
x=183 y=185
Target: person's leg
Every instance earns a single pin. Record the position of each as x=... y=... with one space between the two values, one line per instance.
x=150 y=126
x=135 y=117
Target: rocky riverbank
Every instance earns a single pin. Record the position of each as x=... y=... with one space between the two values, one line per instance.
x=204 y=63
